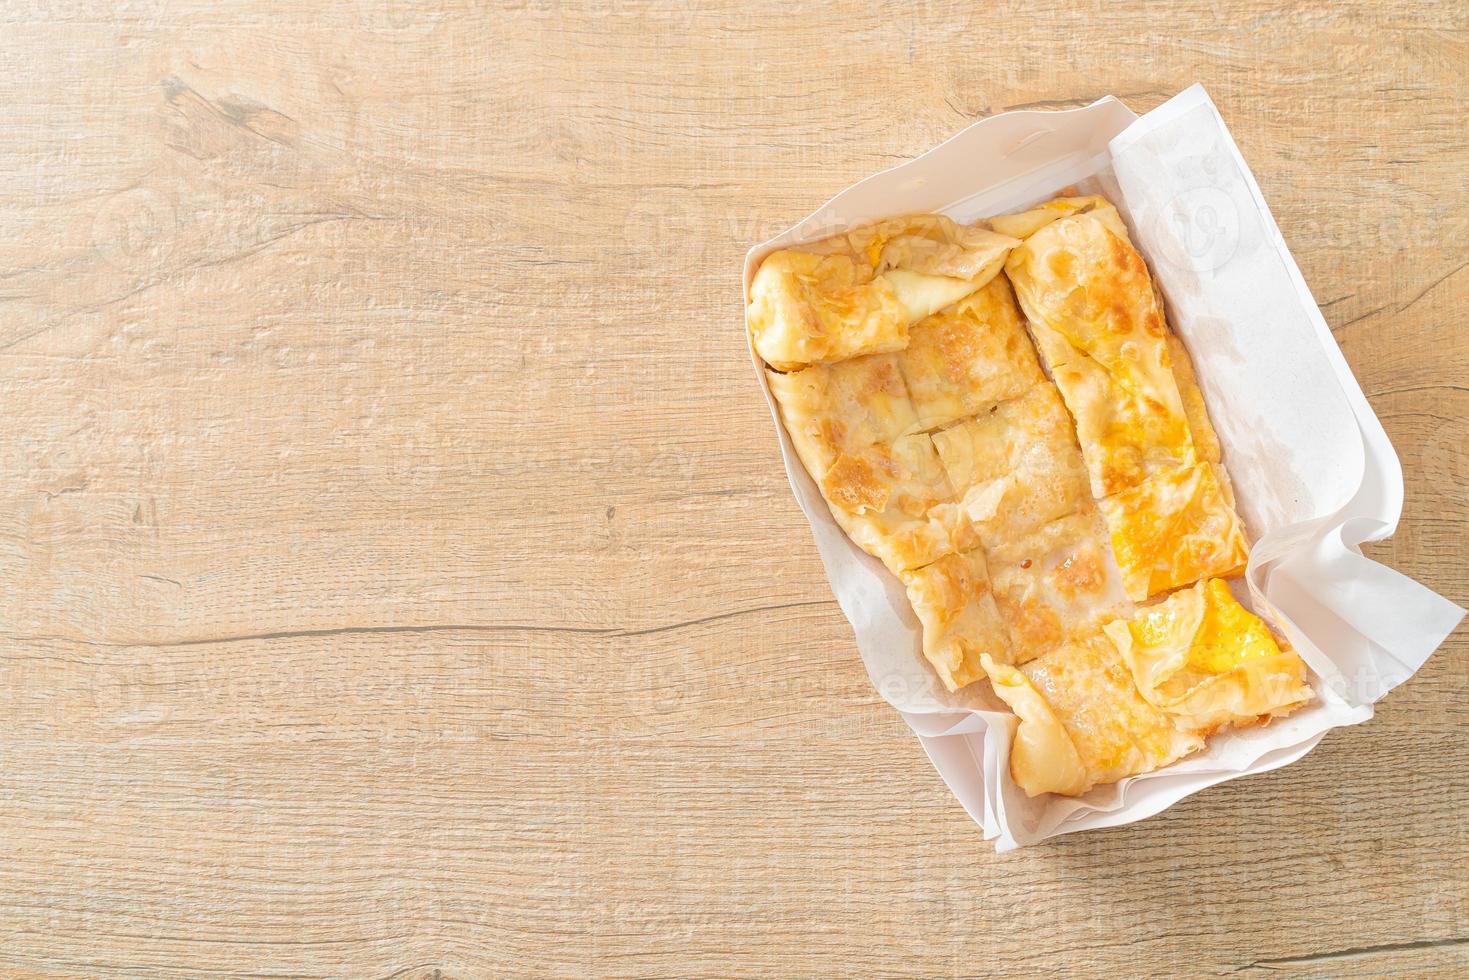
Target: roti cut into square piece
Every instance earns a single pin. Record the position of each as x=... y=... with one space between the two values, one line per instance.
x=830 y=409
x=1125 y=437
x=1082 y=721
x=814 y=309
x=966 y=359
x=1096 y=319
x=1056 y=583
x=960 y=622
x=1017 y=467
x=859 y=293
x=1207 y=660
x=896 y=503
x=1174 y=530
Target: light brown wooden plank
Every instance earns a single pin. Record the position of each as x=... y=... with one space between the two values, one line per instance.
x=396 y=570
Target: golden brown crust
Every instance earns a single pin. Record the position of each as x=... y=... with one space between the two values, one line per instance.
x=830 y=409
x=859 y=293
x=1088 y=694
x=1206 y=660
x=813 y=309
x=965 y=360
x=1175 y=529
x=952 y=459
x=1043 y=758
x=1026 y=223
x=1091 y=307
x=1116 y=732
x=1056 y=583
x=953 y=600
x=930 y=244
x=1017 y=467
x=1206 y=443
x=895 y=502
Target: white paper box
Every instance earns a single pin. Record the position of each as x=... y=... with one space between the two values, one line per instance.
x=1313 y=471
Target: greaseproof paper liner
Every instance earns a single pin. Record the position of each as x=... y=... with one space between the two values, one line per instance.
x=1313 y=471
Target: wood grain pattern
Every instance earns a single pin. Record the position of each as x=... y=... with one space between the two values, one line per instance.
x=397 y=577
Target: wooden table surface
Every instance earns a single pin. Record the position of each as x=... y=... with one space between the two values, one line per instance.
x=397 y=574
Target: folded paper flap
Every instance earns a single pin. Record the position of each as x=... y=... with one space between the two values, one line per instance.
x=1384 y=472
x=1312 y=468
x=1216 y=250
x=1234 y=301
x=1377 y=601
x=1388 y=622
